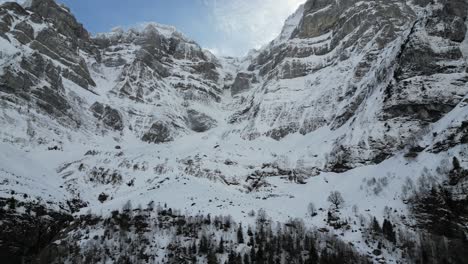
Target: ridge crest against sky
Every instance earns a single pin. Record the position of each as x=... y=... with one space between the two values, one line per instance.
x=225 y=27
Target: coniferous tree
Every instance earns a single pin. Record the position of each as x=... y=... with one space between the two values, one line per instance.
x=376 y=226
x=260 y=256
x=313 y=255
x=324 y=258
x=246 y=258
x=204 y=245
x=456 y=163
x=253 y=255
x=240 y=235
x=232 y=258
x=211 y=258
x=249 y=232
x=238 y=259
x=193 y=248
x=221 y=246
x=388 y=232
x=251 y=242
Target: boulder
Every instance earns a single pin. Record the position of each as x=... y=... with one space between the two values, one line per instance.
x=158 y=133
x=199 y=122
x=110 y=117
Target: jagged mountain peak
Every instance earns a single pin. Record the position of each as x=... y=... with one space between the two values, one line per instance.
x=60 y=15
x=165 y=31
x=291 y=24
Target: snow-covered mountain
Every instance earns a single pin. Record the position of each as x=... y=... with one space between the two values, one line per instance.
x=360 y=100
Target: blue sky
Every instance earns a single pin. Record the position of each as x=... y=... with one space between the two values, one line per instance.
x=226 y=27
x=190 y=17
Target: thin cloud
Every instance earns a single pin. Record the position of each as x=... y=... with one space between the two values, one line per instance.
x=247 y=24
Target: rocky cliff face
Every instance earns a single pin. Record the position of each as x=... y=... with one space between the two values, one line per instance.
x=142 y=81
x=163 y=77
x=397 y=66
x=375 y=73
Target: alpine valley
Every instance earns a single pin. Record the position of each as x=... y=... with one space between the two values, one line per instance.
x=343 y=140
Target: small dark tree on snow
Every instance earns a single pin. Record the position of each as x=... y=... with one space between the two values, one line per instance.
x=240 y=235
x=251 y=242
x=336 y=199
x=456 y=164
x=253 y=255
x=311 y=209
x=388 y=232
x=11 y=203
x=211 y=258
x=221 y=246
x=313 y=255
x=246 y=258
x=204 y=245
x=127 y=207
x=260 y=256
x=457 y=173
x=376 y=226
x=232 y=258
x=249 y=231
x=193 y=248
x=262 y=216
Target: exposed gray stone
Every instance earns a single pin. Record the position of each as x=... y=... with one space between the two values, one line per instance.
x=182 y=50
x=109 y=116
x=63 y=20
x=114 y=62
x=158 y=133
x=16 y=83
x=52 y=45
x=51 y=101
x=151 y=61
x=242 y=82
x=15 y=7
x=424 y=112
x=199 y=122
x=24 y=32
x=207 y=70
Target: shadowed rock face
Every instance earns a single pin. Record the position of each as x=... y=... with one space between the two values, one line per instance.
x=207 y=70
x=199 y=122
x=109 y=116
x=158 y=133
x=163 y=73
x=336 y=27
x=63 y=20
x=156 y=57
x=49 y=45
x=242 y=82
x=322 y=22
x=419 y=64
x=26 y=85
